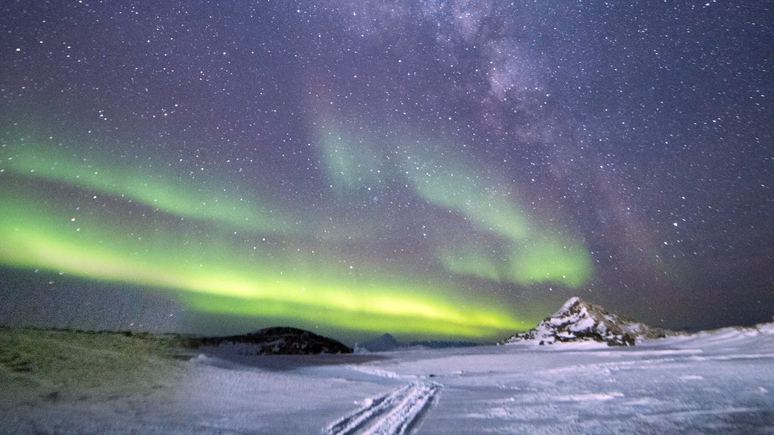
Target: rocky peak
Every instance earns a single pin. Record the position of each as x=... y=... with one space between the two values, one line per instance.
x=579 y=320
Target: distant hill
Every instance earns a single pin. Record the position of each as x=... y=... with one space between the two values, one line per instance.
x=387 y=343
x=579 y=320
x=272 y=341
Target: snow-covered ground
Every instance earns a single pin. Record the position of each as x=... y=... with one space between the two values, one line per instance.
x=721 y=382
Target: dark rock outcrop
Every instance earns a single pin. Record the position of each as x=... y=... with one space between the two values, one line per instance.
x=272 y=341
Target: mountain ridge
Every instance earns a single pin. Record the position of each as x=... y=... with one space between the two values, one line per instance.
x=387 y=343
x=278 y=340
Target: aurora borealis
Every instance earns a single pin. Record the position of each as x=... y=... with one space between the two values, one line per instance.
x=437 y=169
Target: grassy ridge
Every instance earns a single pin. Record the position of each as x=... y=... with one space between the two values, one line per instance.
x=59 y=365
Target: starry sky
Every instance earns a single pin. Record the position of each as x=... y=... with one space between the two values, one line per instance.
x=447 y=169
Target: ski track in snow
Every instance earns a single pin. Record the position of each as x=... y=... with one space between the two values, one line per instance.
x=390 y=414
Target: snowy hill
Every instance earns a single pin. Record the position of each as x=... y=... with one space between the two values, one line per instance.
x=579 y=320
x=271 y=341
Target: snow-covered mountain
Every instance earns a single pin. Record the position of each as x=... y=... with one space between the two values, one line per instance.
x=271 y=341
x=579 y=320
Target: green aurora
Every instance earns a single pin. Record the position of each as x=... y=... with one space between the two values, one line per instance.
x=90 y=217
x=534 y=253
x=159 y=188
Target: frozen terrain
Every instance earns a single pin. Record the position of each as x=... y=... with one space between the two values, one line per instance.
x=74 y=383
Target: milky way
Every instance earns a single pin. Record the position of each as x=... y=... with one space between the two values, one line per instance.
x=433 y=169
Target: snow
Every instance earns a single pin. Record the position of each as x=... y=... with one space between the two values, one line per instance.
x=392 y=413
x=713 y=382
x=584 y=324
x=567 y=305
x=588 y=397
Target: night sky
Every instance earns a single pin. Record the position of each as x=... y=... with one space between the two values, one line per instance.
x=434 y=169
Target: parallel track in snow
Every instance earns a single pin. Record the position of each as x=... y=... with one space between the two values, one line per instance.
x=393 y=413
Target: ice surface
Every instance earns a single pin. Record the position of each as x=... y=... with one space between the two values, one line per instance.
x=721 y=382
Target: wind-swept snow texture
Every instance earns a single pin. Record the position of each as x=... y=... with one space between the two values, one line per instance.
x=390 y=414
x=719 y=382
